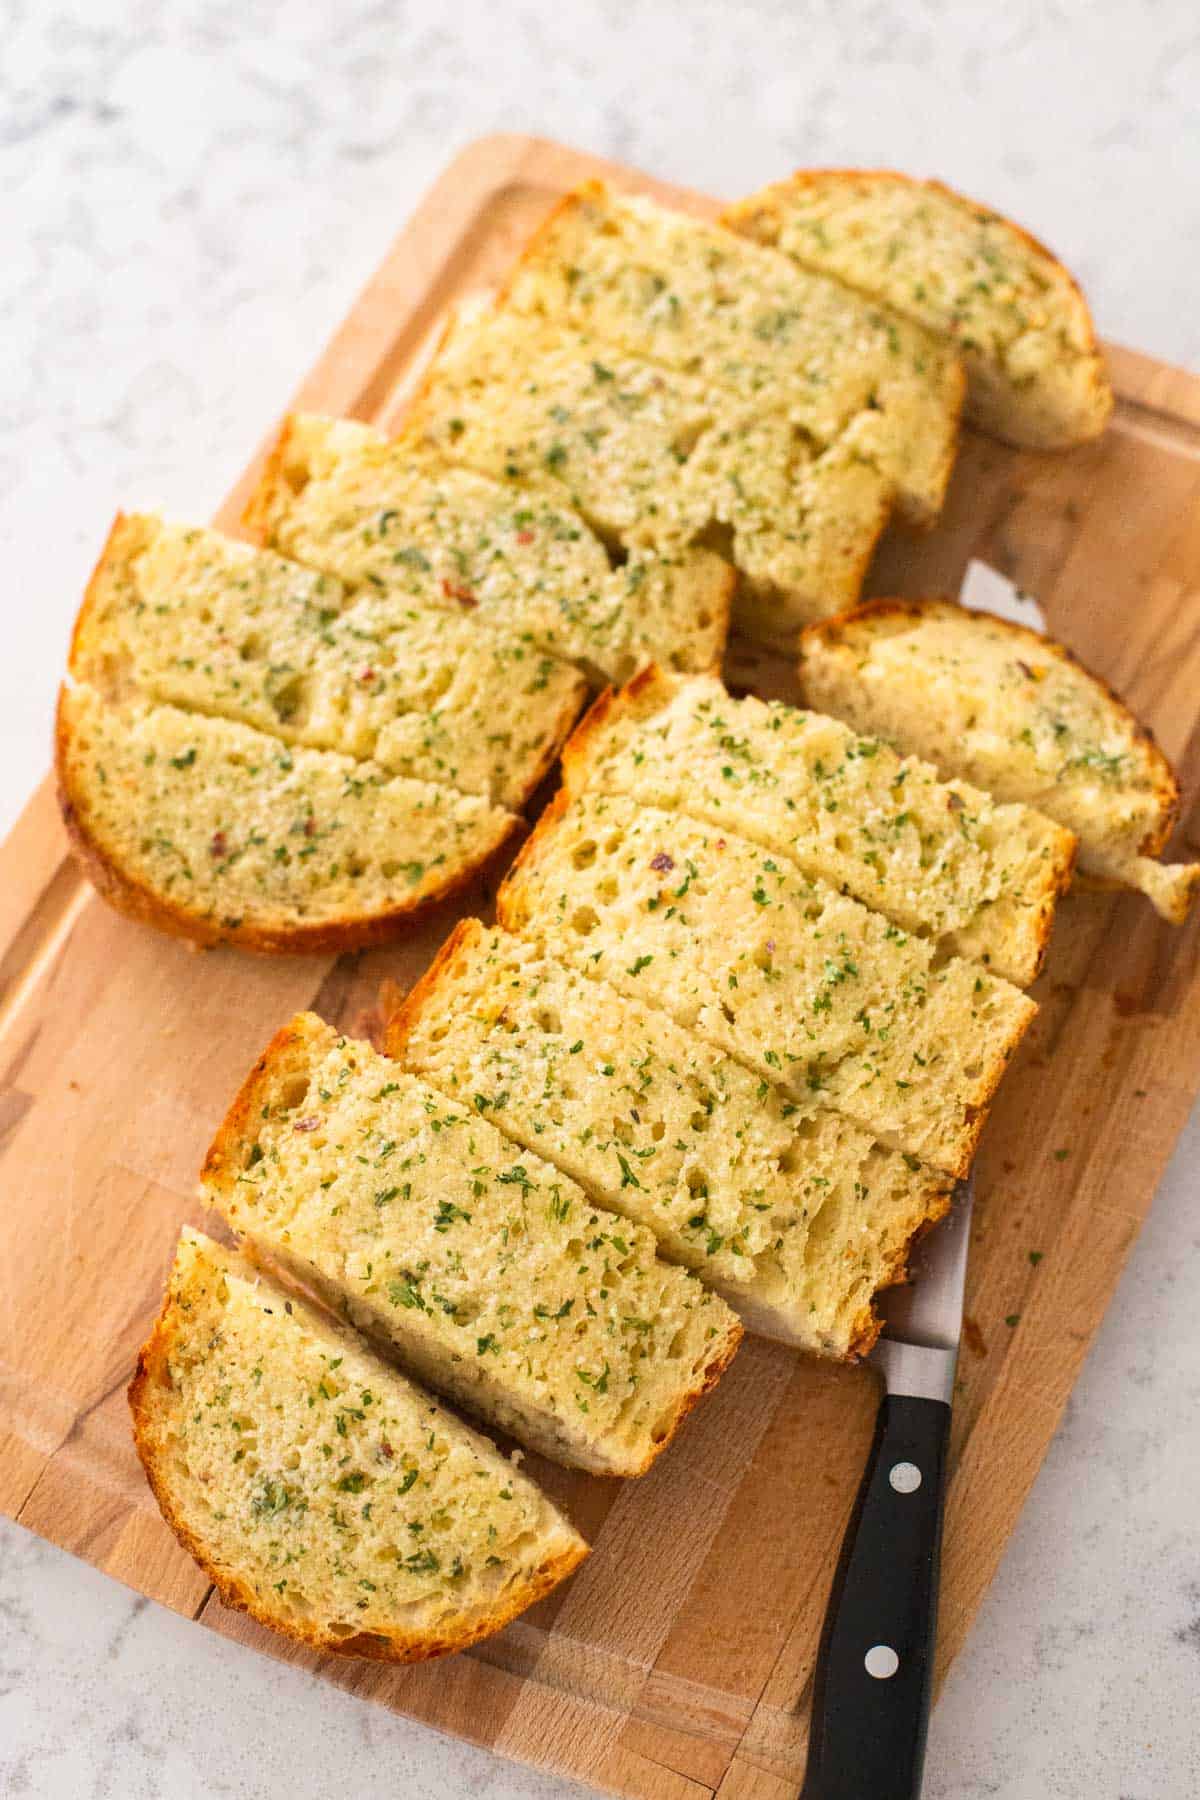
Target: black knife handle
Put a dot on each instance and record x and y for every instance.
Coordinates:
(867, 1739)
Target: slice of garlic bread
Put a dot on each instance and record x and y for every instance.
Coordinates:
(942, 859)
(803, 984)
(491, 1275)
(324, 1494)
(660, 460)
(796, 1220)
(385, 514)
(216, 832)
(185, 615)
(1017, 714)
(964, 273)
(698, 299)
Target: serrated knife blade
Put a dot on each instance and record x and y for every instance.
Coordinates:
(917, 1351)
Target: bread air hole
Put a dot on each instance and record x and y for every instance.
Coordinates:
(584, 855)
(584, 920)
(294, 1092)
(548, 1021)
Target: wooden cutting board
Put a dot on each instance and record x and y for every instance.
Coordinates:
(676, 1664)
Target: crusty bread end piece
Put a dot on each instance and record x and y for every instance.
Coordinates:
(187, 616)
(1015, 713)
(212, 831)
(942, 859)
(798, 1220)
(323, 1493)
(492, 1276)
(1036, 375)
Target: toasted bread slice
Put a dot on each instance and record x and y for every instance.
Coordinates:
(184, 615)
(216, 832)
(322, 1492)
(1016, 713)
(387, 515)
(801, 983)
(492, 1275)
(962, 272)
(659, 460)
(697, 299)
(942, 859)
(796, 1221)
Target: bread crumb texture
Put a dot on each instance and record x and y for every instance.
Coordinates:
(224, 833)
(385, 515)
(491, 1274)
(802, 983)
(1015, 712)
(796, 1216)
(696, 298)
(188, 616)
(968, 276)
(942, 859)
(323, 1492)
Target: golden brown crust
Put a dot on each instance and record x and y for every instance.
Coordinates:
(399, 1025)
(400, 1647)
(126, 894)
(223, 1157)
(262, 509)
(843, 627)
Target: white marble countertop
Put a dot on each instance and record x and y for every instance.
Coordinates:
(194, 193)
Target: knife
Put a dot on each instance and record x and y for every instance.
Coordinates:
(874, 1673)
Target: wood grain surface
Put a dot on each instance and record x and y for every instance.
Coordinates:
(676, 1663)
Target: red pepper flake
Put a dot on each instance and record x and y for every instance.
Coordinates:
(1025, 668)
(662, 862)
(310, 826)
(720, 843)
(454, 590)
(955, 802)
(219, 845)
(525, 537)
(385, 1449)
(308, 1124)
(367, 675)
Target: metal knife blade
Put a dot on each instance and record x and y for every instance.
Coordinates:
(918, 1349)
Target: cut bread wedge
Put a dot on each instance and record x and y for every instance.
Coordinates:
(322, 1492)
(942, 859)
(698, 299)
(964, 273)
(660, 460)
(213, 831)
(801, 983)
(797, 1221)
(385, 515)
(491, 1275)
(1017, 714)
(179, 614)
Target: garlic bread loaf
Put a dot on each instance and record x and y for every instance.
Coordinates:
(796, 1220)
(965, 274)
(216, 832)
(491, 1275)
(801, 983)
(385, 515)
(942, 859)
(322, 1492)
(1017, 714)
(180, 614)
(659, 460)
(698, 299)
